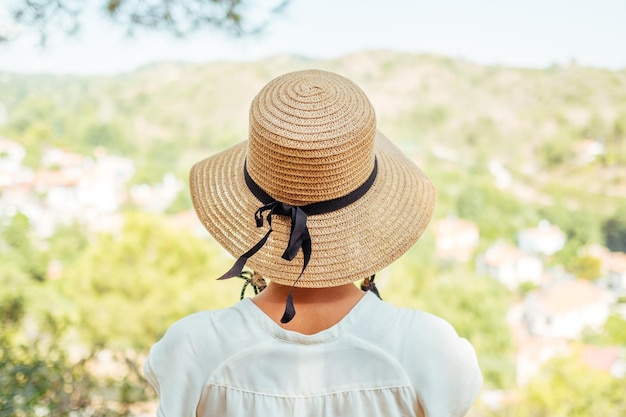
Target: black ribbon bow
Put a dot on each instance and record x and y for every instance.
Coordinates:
(299, 237)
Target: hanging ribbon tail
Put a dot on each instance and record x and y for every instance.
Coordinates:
(236, 270)
(375, 290)
(290, 310)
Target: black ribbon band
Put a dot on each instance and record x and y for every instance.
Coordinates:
(299, 237)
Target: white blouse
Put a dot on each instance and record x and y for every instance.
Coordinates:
(378, 361)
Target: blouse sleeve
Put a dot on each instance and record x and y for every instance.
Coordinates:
(175, 367)
(446, 372)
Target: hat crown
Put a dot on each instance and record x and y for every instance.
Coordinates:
(311, 137)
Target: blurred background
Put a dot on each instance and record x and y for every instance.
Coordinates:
(516, 110)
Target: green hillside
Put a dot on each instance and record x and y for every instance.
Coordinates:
(454, 117)
(167, 114)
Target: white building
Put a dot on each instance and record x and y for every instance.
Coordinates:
(501, 176)
(69, 187)
(455, 238)
(545, 239)
(12, 172)
(588, 150)
(566, 309)
(617, 272)
(509, 265)
(156, 197)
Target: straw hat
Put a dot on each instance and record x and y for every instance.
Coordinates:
(313, 139)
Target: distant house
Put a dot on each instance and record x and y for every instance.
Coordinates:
(72, 187)
(617, 271)
(100, 193)
(12, 172)
(509, 265)
(14, 198)
(502, 177)
(597, 251)
(587, 150)
(545, 239)
(157, 197)
(11, 152)
(59, 188)
(103, 186)
(60, 159)
(565, 309)
(456, 239)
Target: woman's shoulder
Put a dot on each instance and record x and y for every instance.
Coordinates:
(204, 326)
(442, 365)
(417, 333)
(179, 345)
(195, 344)
(412, 324)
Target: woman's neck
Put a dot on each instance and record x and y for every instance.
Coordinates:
(316, 308)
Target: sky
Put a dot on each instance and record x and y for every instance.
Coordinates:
(526, 33)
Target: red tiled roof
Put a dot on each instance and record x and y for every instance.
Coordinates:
(600, 358)
(568, 296)
(502, 254)
(49, 178)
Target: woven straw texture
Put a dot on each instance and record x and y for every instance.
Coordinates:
(313, 138)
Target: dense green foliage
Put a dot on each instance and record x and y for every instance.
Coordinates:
(38, 373)
(614, 333)
(150, 272)
(18, 248)
(567, 388)
(614, 229)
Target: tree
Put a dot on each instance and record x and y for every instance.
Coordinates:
(587, 267)
(17, 247)
(568, 388)
(67, 242)
(615, 330)
(582, 228)
(35, 380)
(36, 376)
(614, 229)
(180, 18)
(129, 287)
(556, 151)
(495, 211)
(181, 203)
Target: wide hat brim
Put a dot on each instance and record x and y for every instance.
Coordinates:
(347, 245)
